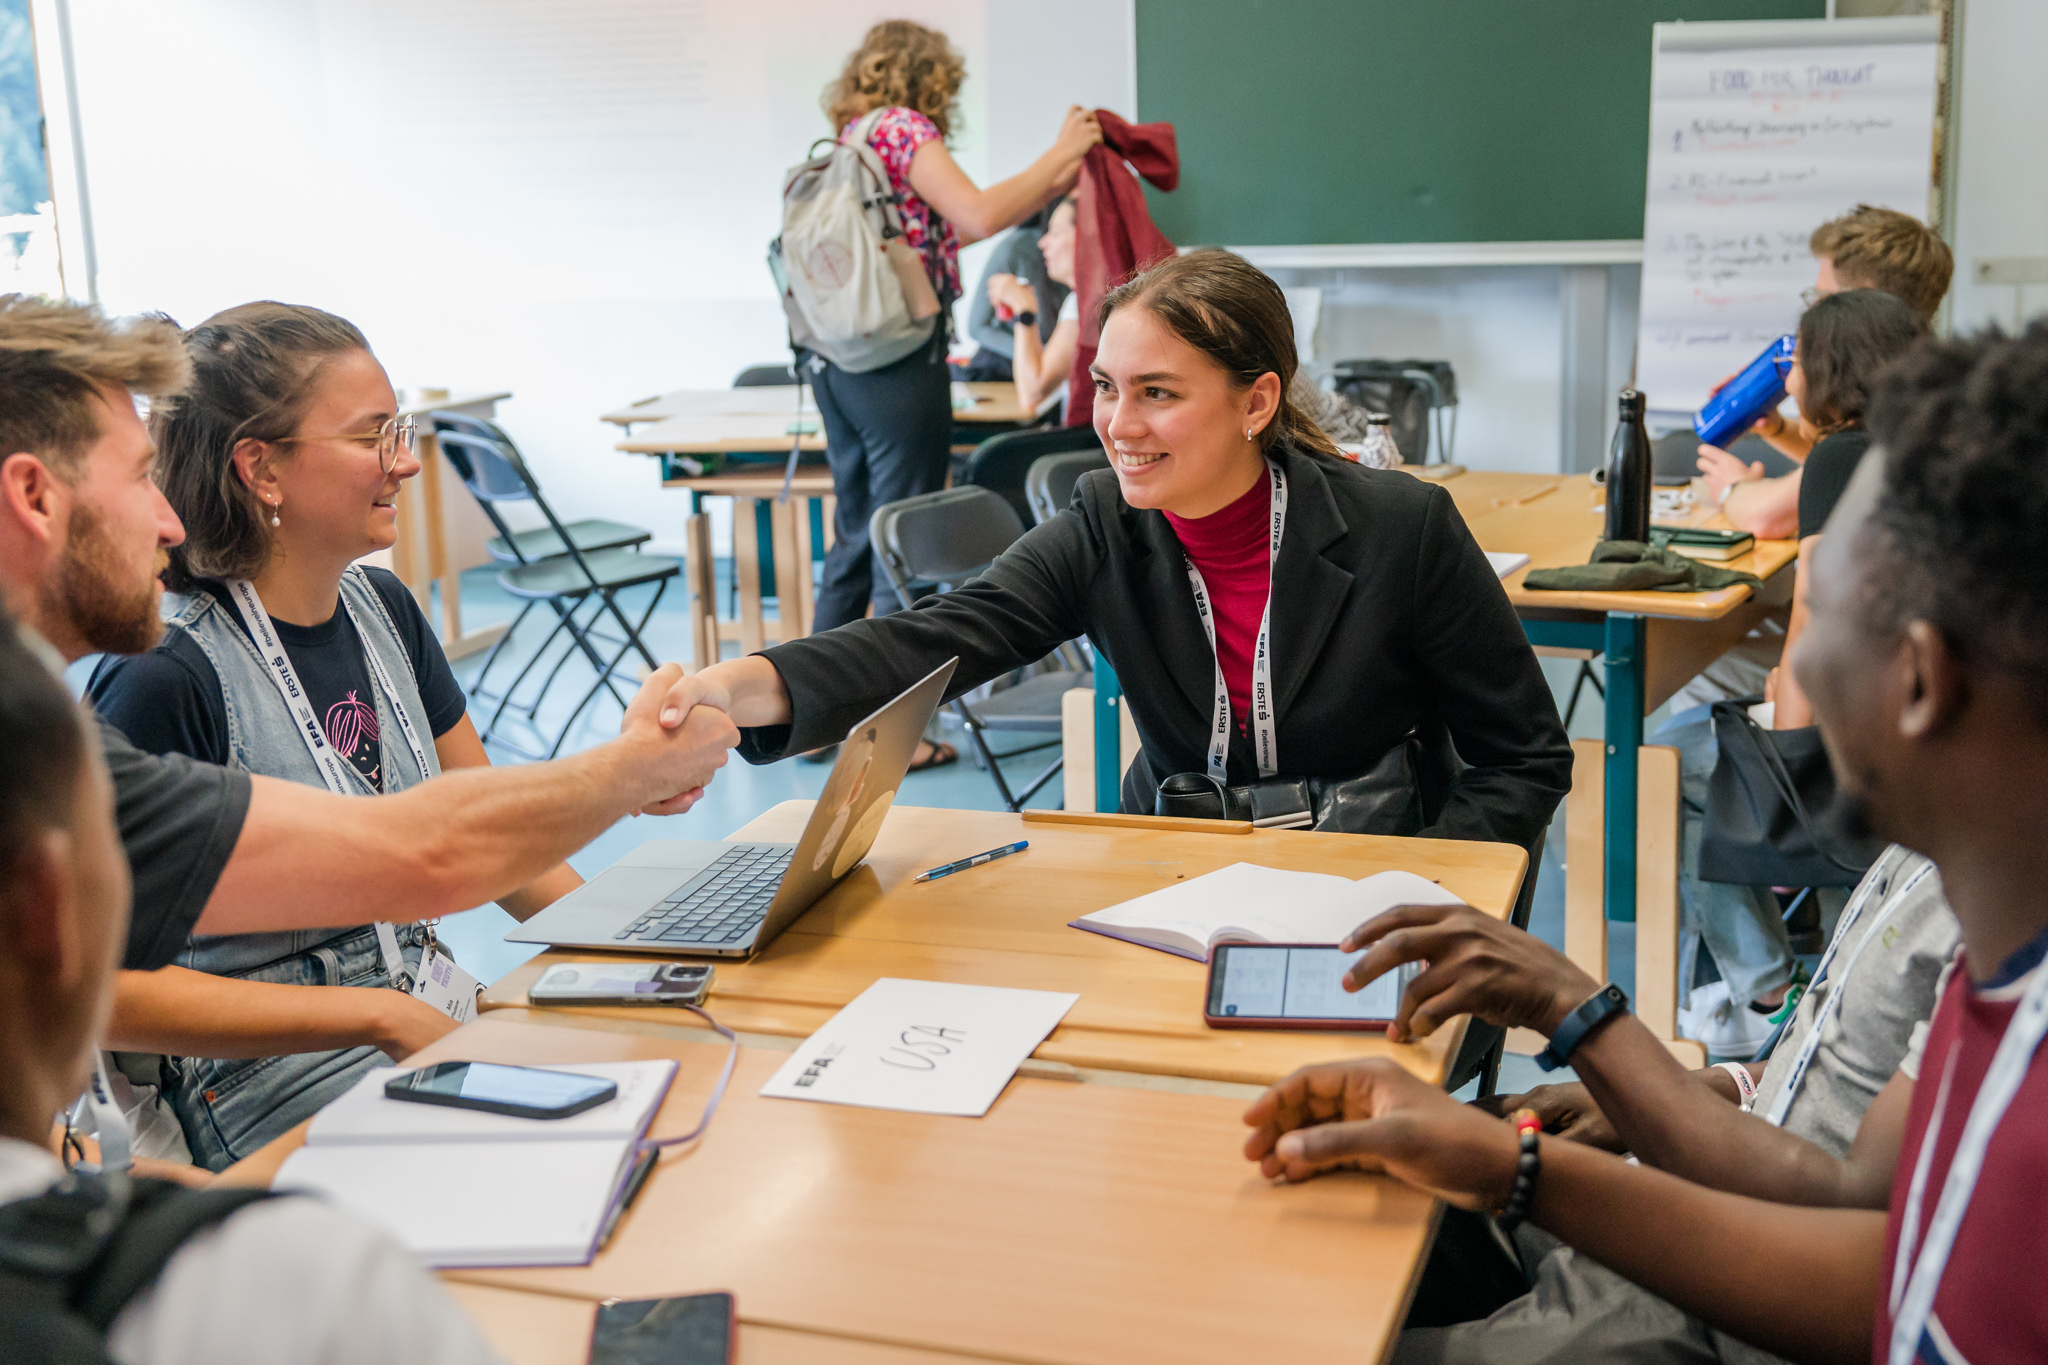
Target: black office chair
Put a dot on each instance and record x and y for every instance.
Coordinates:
(495, 473)
(524, 547)
(1480, 1053)
(762, 376)
(1002, 463)
(1420, 396)
(1049, 483)
(943, 539)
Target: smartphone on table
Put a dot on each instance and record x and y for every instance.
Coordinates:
(622, 983)
(524, 1092)
(1297, 986)
(696, 1329)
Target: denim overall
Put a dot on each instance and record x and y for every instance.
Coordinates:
(231, 1107)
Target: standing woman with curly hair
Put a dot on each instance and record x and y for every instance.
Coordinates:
(887, 431)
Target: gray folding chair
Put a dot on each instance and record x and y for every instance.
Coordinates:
(567, 582)
(541, 542)
(941, 540)
(1002, 463)
(1049, 483)
(763, 376)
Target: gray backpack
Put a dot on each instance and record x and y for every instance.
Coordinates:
(854, 290)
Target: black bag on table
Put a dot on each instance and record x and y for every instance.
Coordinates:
(1764, 802)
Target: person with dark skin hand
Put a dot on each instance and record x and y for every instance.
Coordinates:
(1925, 663)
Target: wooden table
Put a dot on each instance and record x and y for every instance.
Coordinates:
(991, 403)
(788, 535)
(423, 554)
(1653, 643)
(1072, 1223)
(554, 1329)
(1006, 924)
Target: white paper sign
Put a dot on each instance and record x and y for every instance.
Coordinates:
(1754, 143)
(931, 1047)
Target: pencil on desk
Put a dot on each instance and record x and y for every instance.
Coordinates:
(1529, 498)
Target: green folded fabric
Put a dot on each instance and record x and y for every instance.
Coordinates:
(1632, 566)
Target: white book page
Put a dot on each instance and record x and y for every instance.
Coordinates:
(1244, 900)
(1266, 905)
(482, 1204)
(932, 1047)
(366, 1115)
(1505, 562)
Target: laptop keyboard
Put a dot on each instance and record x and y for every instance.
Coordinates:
(720, 905)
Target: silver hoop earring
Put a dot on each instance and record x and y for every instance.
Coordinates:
(1247, 433)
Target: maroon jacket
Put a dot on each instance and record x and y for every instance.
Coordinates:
(1116, 236)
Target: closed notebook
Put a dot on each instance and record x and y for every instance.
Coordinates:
(460, 1187)
(1703, 543)
(1246, 903)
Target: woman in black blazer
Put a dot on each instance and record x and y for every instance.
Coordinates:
(1384, 618)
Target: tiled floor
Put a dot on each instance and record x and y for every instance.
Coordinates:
(743, 792)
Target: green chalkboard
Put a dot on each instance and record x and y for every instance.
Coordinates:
(1312, 121)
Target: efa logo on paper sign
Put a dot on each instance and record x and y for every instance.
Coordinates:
(825, 1058)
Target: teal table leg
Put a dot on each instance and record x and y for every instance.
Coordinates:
(1624, 651)
(764, 539)
(1109, 768)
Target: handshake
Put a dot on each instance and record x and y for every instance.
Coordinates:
(677, 730)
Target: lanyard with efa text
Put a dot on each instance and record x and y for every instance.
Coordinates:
(1916, 1278)
(333, 765)
(1265, 738)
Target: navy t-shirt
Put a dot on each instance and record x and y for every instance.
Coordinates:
(1829, 467)
(169, 701)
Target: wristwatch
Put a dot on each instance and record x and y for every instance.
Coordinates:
(1027, 318)
(1601, 1006)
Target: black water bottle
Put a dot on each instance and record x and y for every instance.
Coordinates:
(1628, 473)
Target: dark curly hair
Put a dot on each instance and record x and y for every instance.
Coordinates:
(1959, 535)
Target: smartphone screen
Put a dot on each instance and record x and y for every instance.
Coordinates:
(693, 1330)
(1271, 981)
(483, 1085)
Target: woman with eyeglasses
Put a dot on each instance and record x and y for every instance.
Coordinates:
(283, 656)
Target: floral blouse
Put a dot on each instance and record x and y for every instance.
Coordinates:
(896, 136)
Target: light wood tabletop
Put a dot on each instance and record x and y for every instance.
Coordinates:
(1556, 519)
(1006, 924)
(555, 1329)
(987, 402)
(1072, 1223)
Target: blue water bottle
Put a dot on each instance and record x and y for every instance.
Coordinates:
(1746, 397)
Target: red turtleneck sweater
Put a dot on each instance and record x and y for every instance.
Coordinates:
(1233, 550)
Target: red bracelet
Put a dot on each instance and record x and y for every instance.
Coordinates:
(1528, 1132)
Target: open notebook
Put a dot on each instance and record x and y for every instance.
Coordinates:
(1246, 903)
(459, 1187)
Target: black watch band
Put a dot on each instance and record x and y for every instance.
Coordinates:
(1601, 1006)
(1027, 318)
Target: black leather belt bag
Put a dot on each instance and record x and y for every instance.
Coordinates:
(1386, 798)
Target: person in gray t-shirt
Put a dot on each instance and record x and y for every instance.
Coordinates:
(1878, 983)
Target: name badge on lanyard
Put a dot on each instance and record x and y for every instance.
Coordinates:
(1916, 1279)
(440, 982)
(1265, 734)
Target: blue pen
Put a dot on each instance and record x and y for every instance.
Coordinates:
(977, 860)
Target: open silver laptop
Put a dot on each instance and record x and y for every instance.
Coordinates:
(717, 898)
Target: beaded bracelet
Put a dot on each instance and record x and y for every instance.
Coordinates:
(1529, 1129)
